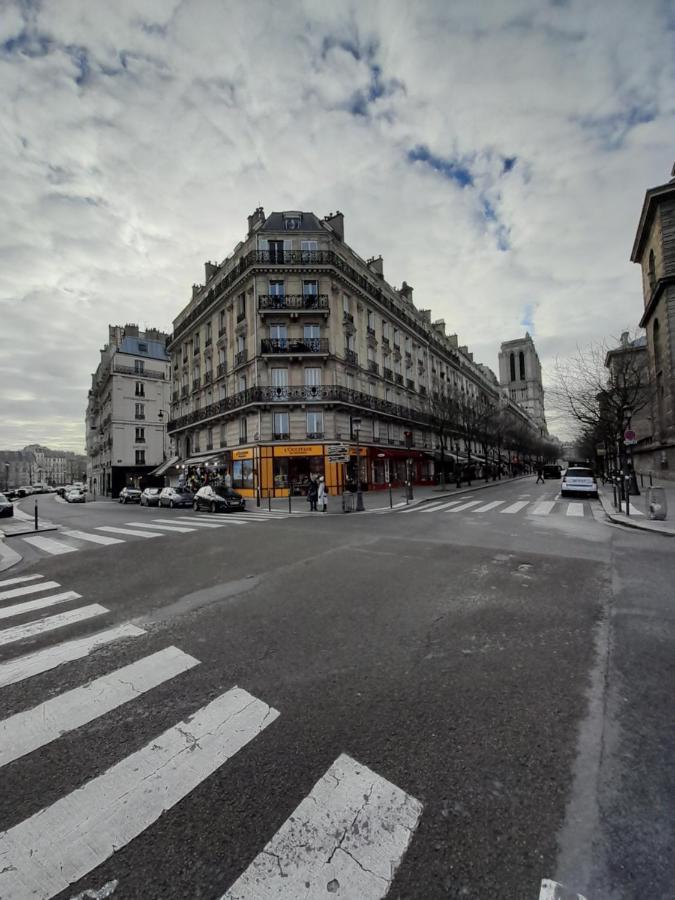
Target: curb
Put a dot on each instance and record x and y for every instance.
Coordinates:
(636, 524)
(8, 556)
(469, 490)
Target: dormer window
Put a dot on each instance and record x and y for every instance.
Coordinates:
(292, 221)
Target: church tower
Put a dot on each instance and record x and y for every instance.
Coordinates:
(520, 375)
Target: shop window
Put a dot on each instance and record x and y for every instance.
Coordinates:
(242, 473)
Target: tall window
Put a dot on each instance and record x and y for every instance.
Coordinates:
(208, 332)
(350, 381)
(310, 288)
(140, 389)
(241, 307)
(241, 343)
(376, 429)
(277, 288)
(521, 359)
(242, 382)
(371, 320)
(280, 382)
(656, 340)
(281, 426)
(242, 430)
(195, 342)
(140, 410)
(307, 248)
(651, 274)
(512, 364)
(312, 376)
(385, 330)
(311, 332)
(278, 332)
(221, 322)
(209, 439)
(140, 457)
(223, 435)
(315, 424)
(140, 435)
(139, 366)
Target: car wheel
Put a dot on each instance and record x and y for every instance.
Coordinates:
(170, 504)
(213, 507)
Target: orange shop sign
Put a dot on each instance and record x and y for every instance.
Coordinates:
(299, 450)
(243, 454)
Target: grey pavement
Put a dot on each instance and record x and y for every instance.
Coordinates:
(638, 515)
(501, 658)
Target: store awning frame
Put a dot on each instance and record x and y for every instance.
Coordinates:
(166, 465)
(205, 459)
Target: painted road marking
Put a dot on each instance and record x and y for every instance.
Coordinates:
(465, 506)
(195, 524)
(442, 506)
(575, 509)
(19, 579)
(28, 589)
(488, 506)
(27, 606)
(57, 846)
(23, 667)
(113, 529)
(230, 520)
(552, 890)
(544, 508)
(347, 837)
(49, 623)
(49, 545)
(94, 538)
(515, 507)
(179, 528)
(27, 731)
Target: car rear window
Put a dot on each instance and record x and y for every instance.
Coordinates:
(3, 499)
(580, 473)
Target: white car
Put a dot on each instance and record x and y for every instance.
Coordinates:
(75, 496)
(578, 481)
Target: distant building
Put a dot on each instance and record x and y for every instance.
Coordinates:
(654, 251)
(127, 409)
(37, 464)
(520, 375)
(629, 364)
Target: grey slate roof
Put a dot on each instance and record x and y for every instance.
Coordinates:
(275, 222)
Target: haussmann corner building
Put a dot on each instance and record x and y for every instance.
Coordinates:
(291, 344)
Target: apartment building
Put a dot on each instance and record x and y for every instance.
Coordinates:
(293, 344)
(127, 410)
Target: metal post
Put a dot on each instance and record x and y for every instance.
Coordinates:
(269, 500)
(36, 515)
(391, 500)
(627, 484)
(290, 490)
(359, 495)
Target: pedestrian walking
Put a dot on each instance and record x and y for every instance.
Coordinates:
(312, 495)
(540, 475)
(322, 494)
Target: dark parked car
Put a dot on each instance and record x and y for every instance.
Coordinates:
(219, 499)
(175, 497)
(130, 495)
(150, 497)
(6, 506)
(552, 471)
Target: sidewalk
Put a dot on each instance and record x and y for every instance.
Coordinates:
(639, 505)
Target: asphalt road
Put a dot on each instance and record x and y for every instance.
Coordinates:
(504, 673)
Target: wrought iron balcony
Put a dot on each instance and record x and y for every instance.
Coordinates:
(293, 302)
(315, 435)
(294, 346)
(398, 378)
(243, 439)
(351, 357)
(139, 416)
(373, 367)
(388, 373)
(281, 436)
(240, 358)
(132, 370)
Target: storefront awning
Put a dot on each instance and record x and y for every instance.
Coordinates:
(398, 454)
(165, 466)
(204, 459)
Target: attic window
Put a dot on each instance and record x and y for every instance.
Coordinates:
(292, 221)
(142, 348)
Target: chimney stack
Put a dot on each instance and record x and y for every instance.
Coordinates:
(406, 292)
(210, 270)
(256, 220)
(375, 265)
(337, 223)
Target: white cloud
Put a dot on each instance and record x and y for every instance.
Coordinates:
(136, 137)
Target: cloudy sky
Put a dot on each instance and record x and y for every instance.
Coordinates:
(495, 153)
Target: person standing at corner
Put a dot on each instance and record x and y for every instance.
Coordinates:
(312, 495)
(321, 495)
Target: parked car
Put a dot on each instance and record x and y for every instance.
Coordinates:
(130, 495)
(175, 497)
(6, 506)
(75, 496)
(579, 481)
(24, 491)
(63, 489)
(552, 471)
(219, 499)
(150, 497)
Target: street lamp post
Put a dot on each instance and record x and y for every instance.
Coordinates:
(356, 427)
(160, 416)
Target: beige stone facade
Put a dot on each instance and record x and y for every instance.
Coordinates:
(520, 375)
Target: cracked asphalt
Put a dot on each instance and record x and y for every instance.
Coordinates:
(513, 675)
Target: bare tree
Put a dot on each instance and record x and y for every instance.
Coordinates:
(444, 417)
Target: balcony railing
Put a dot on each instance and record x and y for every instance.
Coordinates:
(301, 395)
(315, 435)
(139, 440)
(281, 436)
(243, 439)
(373, 367)
(293, 302)
(221, 370)
(294, 345)
(208, 377)
(140, 416)
(388, 373)
(240, 358)
(398, 378)
(351, 357)
(131, 370)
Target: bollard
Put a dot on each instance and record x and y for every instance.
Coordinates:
(257, 497)
(627, 493)
(269, 500)
(289, 499)
(36, 516)
(391, 499)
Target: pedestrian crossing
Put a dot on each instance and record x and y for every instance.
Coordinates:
(70, 540)
(361, 825)
(471, 506)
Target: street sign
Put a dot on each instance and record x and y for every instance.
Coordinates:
(629, 437)
(338, 459)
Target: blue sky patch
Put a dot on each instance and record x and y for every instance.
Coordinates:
(527, 321)
(508, 162)
(454, 170)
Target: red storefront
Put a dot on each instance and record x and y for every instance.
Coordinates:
(390, 465)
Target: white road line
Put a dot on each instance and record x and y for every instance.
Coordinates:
(94, 538)
(442, 506)
(49, 545)
(634, 511)
(26, 731)
(31, 664)
(195, 524)
(575, 509)
(488, 506)
(223, 521)
(464, 506)
(57, 846)
(544, 508)
(347, 837)
(515, 507)
(28, 589)
(113, 529)
(17, 609)
(553, 890)
(179, 528)
(49, 623)
(427, 507)
(19, 579)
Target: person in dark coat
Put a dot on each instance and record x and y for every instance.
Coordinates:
(313, 495)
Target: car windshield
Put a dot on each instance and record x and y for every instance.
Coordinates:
(225, 492)
(152, 490)
(579, 473)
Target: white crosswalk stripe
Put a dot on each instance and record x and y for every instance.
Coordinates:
(15, 670)
(93, 538)
(360, 827)
(515, 507)
(464, 506)
(439, 508)
(197, 523)
(57, 846)
(113, 529)
(221, 518)
(488, 506)
(153, 525)
(49, 545)
(26, 606)
(575, 509)
(11, 593)
(49, 623)
(26, 731)
(543, 508)
(19, 579)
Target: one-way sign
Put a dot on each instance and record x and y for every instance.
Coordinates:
(338, 453)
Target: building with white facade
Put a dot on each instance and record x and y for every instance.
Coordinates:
(127, 410)
(520, 375)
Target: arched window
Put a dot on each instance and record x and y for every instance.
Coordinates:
(513, 367)
(651, 272)
(656, 340)
(521, 357)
